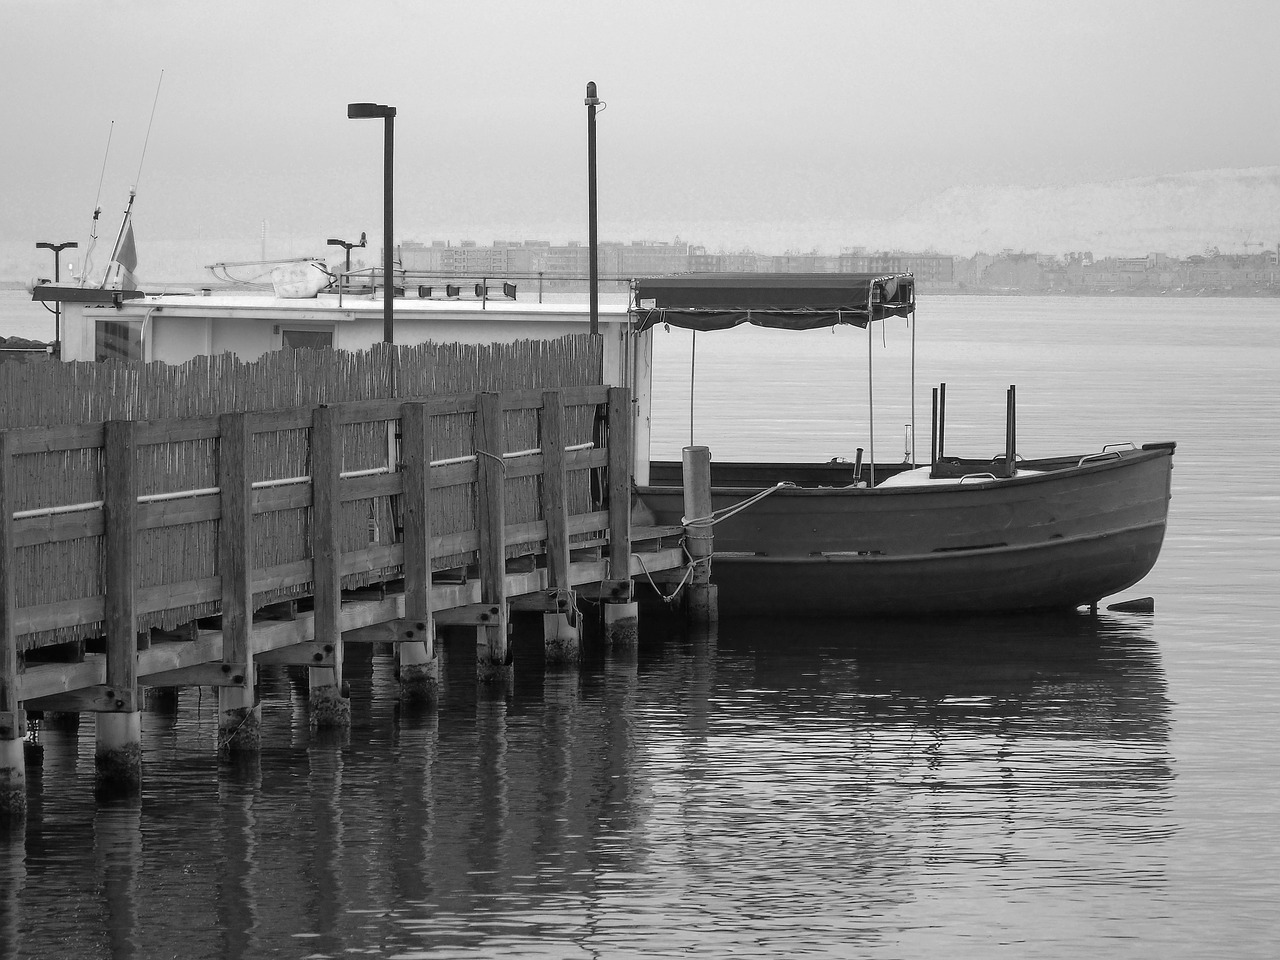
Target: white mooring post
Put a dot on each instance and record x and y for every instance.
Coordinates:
(702, 603)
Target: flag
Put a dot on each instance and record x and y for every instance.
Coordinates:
(127, 260)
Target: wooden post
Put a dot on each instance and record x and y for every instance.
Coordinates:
(239, 715)
(621, 619)
(702, 604)
(13, 719)
(419, 670)
(492, 660)
(118, 750)
(561, 635)
(329, 707)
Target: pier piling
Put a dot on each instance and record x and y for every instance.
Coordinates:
(118, 748)
(702, 596)
(621, 616)
(239, 716)
(329, 707)
(13, 721)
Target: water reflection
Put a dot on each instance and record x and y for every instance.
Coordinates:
(852, 787)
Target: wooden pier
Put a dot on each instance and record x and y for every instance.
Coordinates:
(185, 552)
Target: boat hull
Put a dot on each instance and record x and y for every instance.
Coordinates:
(1061, 536)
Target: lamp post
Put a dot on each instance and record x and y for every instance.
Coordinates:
(57, 249)
(369, 111)
(592, 102)
(346, 245)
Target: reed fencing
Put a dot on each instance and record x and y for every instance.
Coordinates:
(56, 463)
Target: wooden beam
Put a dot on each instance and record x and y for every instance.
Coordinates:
(120, 507)
(617, 590)
(199, 675)
(236, 540)
(10, 705)
(475, 614)
(619, 483)
(310, 653)
(416, 440)
(555, 506)
(491, 499)
(100, 698)
(326, 547)
(554, 601)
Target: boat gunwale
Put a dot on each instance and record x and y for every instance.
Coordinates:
(1125, 459)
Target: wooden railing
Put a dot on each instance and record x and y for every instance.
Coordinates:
(168, 510)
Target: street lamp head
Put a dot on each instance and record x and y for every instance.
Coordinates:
(55, 247)
(592, 100)
(369, 111)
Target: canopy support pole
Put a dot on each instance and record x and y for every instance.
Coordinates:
(871, 389)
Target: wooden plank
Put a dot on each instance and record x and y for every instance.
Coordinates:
(416, 440)
(374, 485)
(172, 596)
(120, 507)
(374, 557)
(518, 534)
(555, 505)
(176, 431)
(57, 528)
(619, 482)
(473, 614)
(199, 675)
(293, 496)
(281, 576)
(586, 459)
(309, 653)
(235, 541)
(55, 439)
(326, 545)
(298, 418)
(453, 475)
(174, 513)
(10, 702)
(101, 698)
(60, 613)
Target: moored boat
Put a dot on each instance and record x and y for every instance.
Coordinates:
(954, 535)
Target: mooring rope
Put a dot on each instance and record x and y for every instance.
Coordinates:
(724, 513)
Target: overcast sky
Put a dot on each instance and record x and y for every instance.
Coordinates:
(722, 116)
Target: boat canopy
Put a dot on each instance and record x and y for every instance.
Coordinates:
(789, 301)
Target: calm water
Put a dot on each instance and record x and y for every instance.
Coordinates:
(1024, 787)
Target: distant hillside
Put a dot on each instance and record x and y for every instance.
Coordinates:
(1181, 214)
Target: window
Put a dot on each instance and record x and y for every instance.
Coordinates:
(118, 340)
(301, 339)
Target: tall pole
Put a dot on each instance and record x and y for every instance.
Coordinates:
(388, 279)
(592, 101)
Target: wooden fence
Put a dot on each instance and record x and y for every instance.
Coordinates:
(171, 478)
(50, 394)
(58, 465)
